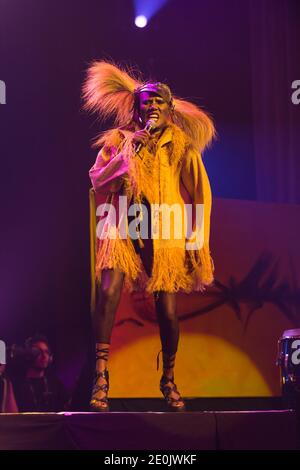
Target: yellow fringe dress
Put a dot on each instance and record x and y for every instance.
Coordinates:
(170, 172)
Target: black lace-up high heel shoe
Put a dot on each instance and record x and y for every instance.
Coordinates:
(168, 387)
(100, 404)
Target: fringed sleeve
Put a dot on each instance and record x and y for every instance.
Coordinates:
(195, 180)
(106, 174)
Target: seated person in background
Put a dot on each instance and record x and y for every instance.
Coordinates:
(36, 389)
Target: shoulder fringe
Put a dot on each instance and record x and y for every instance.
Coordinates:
(195, 123)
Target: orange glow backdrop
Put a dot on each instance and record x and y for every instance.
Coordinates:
(229, 335)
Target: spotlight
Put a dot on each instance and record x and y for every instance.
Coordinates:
(140, 21)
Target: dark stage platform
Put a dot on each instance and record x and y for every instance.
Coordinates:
(260, 429)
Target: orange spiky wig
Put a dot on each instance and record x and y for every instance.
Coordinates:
(113, 92)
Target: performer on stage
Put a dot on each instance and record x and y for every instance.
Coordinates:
(152, 156)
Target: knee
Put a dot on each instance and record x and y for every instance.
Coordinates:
(171, 317)
(110, 294)
(168, 314)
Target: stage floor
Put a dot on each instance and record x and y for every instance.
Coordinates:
(152, 430)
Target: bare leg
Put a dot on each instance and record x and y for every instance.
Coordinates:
(108, 298)
(109, 293)
(165, 305)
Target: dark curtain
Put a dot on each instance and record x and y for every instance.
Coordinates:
(275, 39)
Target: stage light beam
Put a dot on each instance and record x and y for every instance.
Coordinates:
(145, 10)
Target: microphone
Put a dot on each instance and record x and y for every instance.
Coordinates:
(150, 126)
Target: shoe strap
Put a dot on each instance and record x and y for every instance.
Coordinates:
(103, 400)
(104, 387)
(168, 360)
(102, 353)
(102, 373)
(167, 389)
(157, 359)
(164, 380)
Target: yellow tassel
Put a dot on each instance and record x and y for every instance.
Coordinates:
(117, 253)
(202, 264)
(140, 242)
(169, 272)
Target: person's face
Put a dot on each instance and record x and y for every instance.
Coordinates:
(153, 107)
(43, 359)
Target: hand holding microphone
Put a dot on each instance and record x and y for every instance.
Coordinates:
(141, 138)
